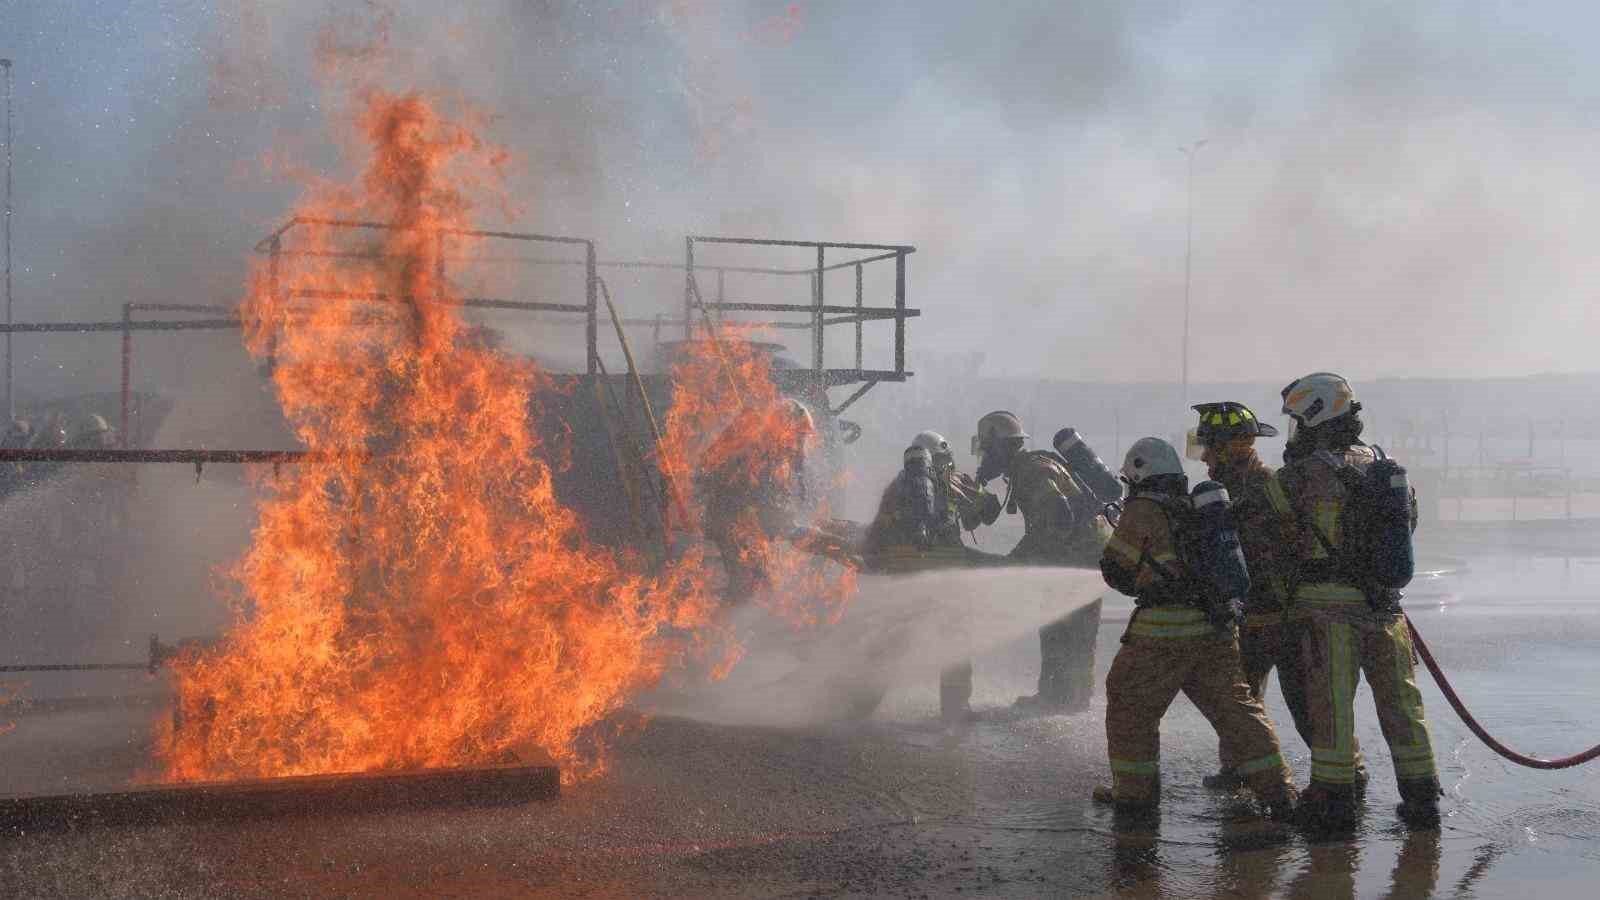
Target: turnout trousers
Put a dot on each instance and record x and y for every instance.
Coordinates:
(1267, 642)
(1340, 641)
(1172, 649)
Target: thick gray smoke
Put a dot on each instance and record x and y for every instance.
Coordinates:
(1386, 190)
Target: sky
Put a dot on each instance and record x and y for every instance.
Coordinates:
(1386, 190)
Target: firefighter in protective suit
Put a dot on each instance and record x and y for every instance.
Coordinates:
(1173, 645)
(752, 490)
(920, 519)
(1062, 526)
(928, 505)
(1225, 441)
(1346, 630)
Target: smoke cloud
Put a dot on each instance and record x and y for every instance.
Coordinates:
(1384, 191)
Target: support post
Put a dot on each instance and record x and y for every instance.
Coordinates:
(688, 288)
(127, 372)
(592, 300)
(277, 300)
(721, 296)
(816, 320)
(858, 318)
(900, 313)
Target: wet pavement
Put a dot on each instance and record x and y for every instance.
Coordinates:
(898, 806)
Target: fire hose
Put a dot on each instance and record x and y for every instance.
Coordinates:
(1564, 762)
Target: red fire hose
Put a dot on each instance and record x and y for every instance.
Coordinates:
(1565, 762)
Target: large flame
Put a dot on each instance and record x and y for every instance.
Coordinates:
(421, 599)
(728, 423)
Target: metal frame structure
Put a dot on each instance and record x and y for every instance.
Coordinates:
(818, 310)
(697, 309)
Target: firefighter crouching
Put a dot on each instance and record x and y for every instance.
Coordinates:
(919, 523)
(1352, 514)
(1062, 526)
(752, 490)
(1225, 441)
(1180, 565)
(925, 508)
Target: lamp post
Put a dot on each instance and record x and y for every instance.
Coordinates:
(11, 408)
(1189, 151)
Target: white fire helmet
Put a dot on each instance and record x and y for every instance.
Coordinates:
(934, 443)
(1149, 457)
(1317, 398)
(996, 426)
(801, 416)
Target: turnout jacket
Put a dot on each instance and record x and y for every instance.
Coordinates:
(1307, 493)
(1141, 560)
(1266, 536)
(960, 503)
(1061, 522)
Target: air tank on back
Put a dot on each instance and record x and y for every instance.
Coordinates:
(1217, 553)
(1087, 467)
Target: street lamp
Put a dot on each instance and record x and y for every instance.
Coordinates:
(11, 409)
(1190, 151)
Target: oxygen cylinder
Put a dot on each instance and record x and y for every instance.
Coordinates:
(916, 498)
(1083, 463)
(1218, 556)
(1390, 558)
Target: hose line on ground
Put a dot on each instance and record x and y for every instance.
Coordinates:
(1565, 762)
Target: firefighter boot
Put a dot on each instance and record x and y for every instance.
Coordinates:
(955, 693)
(1282, 808)
(1323, 810)
(1419, 802)
(1066, 664)
(1130, 809)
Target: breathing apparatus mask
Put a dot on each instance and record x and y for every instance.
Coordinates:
(996, 458)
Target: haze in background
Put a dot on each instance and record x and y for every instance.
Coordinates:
(1385, 191)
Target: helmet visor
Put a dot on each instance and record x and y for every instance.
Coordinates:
(1192, 446)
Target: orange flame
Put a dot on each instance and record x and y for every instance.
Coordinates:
(729, 428)
(423, 600)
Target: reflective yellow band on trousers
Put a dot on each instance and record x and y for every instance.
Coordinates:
(1135, 766)
(1271, 761)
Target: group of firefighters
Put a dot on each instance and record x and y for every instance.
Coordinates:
(1309, 611)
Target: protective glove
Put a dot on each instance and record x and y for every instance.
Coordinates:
(1113, 512)
(989, 508)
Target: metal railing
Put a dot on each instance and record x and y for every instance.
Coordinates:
(822, 314)
(697, 310)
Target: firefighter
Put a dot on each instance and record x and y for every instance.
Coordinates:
(1174, 644)
(1062, 526)
(53, 436)
(1225, 441)
(18, 435)
(752, 488)
(929, 503)
(93, 433)
(1348, 627)
(919, 522)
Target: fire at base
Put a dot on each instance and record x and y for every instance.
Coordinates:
(425, 600)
